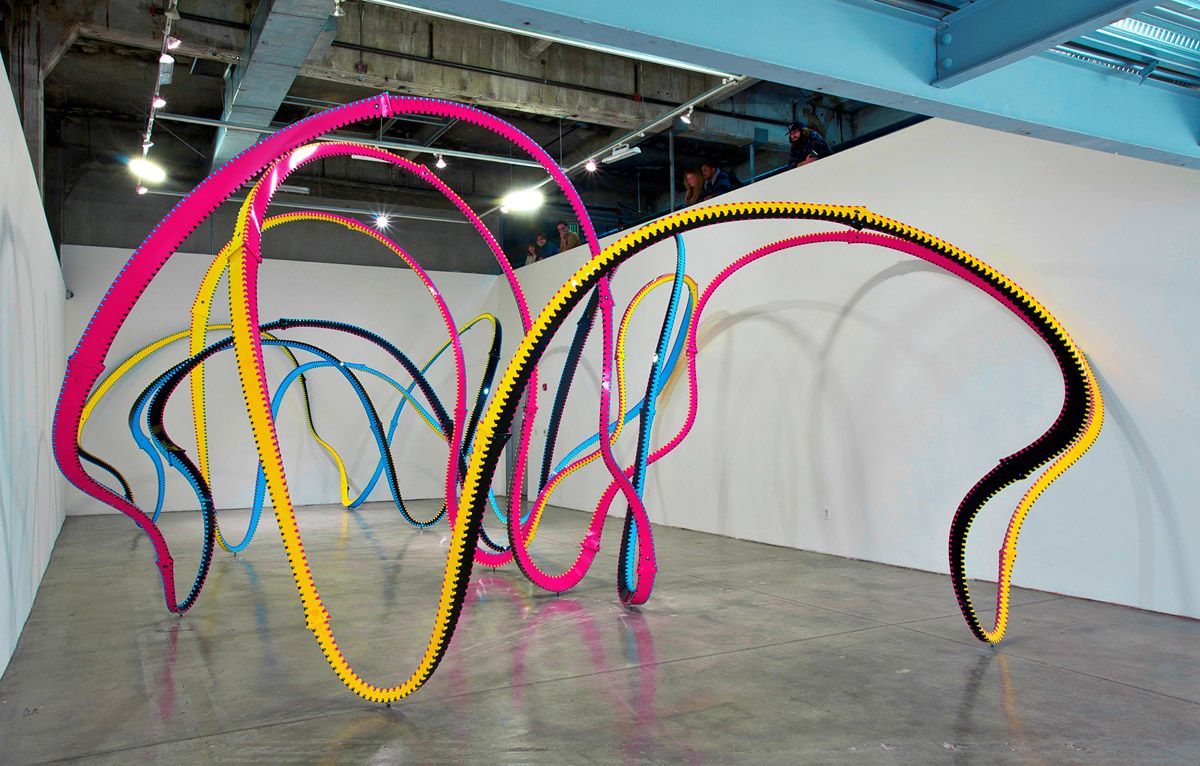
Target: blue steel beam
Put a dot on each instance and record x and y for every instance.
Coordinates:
(989, 34)
(855, 51)
(283, 35)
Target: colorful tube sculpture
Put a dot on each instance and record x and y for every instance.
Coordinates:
(475, 441)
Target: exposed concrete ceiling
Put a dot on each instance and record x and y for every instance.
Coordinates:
(570, 100)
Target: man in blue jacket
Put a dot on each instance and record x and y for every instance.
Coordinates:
(716, 181)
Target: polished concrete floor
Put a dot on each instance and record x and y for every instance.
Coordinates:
(746, 653)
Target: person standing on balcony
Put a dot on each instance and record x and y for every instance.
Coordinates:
(807, 145)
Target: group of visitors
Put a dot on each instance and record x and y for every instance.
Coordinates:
(807, 145)
(543, 247)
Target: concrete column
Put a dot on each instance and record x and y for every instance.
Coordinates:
(35, 45)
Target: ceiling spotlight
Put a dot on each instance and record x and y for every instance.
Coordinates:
(382, 220)
(146, 146)
(173, 43)
(621, 152)
(147, 170)
(166, 58)
(141, 189)
(504, 209)
(686, 117)
(441, 162)
(337, 9)
(523, 200)
(159, 102)
(590, 165)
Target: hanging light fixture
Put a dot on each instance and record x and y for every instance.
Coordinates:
(621, 152)
(382, 221)
(441, 163)
(686, 117)
(338, 12)
(142, 167)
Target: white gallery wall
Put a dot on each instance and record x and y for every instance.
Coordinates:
(32, 360)
(389, 301)
(850, 396)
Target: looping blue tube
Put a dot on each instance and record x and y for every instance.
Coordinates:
(406, 395)
(658, 378)
(636, 409)
(154, 449)
(148, 446)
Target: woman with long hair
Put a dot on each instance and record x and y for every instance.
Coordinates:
(693, 185)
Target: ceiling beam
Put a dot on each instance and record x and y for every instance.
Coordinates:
(869, 55)
(282, 37)
(987, 35)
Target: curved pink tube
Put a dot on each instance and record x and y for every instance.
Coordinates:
(646, 565)
(86, 363)
(851, 237)
(590, 545)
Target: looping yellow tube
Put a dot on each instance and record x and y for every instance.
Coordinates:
(243, 283)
